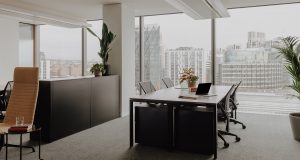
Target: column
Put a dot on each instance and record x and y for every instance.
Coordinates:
(120, 20)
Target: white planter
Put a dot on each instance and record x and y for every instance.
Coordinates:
(295, 124)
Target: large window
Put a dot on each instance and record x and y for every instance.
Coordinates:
(173, 42)
(26, 45)
(93, 46)
(60, 52)
(137, 54)
(245, 47)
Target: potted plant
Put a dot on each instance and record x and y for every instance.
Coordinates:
(188, 76)
(104, 41)
(288, 50)
(97, 69)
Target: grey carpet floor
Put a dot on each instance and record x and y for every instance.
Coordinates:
(267, 137)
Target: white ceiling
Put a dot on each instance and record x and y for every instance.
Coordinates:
(92, 9)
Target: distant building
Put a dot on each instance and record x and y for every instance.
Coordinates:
(258, 66)
(256, 39)
(187, 57)
(57, 68)
(257, 76)
(44, 68)
(152, 69)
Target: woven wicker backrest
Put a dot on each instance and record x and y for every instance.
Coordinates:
(23, 96)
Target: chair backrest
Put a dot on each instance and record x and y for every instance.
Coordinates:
(168, 82)
(23, 96)
(147, 87)
(6, 95)
(233, 95)
(227, 99)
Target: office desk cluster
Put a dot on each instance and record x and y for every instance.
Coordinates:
(191, 128)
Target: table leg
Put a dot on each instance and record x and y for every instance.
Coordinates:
(215, 130)
(21, 136)
(6, 146)
(171, 126)
(131, 122)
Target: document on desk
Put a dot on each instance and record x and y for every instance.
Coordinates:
(194, 97)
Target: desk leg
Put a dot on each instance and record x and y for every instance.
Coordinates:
(6, 146)
(21, 143)
(215, 128)
(131, 122)
(171, 126)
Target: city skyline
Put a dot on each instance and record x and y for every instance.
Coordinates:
(179, 30)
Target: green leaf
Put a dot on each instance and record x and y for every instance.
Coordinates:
(289, 53)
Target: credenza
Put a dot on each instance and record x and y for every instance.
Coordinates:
(69, 105)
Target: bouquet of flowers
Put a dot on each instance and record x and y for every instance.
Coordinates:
(188, 75)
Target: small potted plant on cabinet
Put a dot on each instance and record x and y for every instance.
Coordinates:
(97, 69)
(189, 76)
(288, 50)
(105, 41)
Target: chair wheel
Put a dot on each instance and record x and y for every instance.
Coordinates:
(226, 145)
(244, 127)
(237, 139)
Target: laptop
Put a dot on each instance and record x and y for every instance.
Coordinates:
(203, 89)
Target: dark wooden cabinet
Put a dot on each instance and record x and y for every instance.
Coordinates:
(194, 130)
(105, 93)
(151, 126)
(67, 106)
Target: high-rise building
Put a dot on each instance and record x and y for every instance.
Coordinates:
(258, 66)
(44, 68)
(256, 39)
(152, 70)
(186, 57)
(253, 75)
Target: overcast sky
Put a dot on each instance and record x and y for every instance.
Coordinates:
(179, 30)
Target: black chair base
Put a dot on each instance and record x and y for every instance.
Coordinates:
(238, 122)
(13, 145)
(18, 146)
(226, 144)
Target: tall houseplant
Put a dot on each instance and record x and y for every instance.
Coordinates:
(288, 50)
(104, 41)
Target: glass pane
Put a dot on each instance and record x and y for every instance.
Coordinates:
(93, 46)
(137, 55)
(26, 45)
(245, 50)
(173, 42)
(60, 52)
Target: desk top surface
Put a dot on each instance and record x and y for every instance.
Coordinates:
(171, 95)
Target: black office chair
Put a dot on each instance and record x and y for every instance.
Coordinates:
(147, 87)
(223, 114)
(4, 98)
(168, 82)
(233, 106)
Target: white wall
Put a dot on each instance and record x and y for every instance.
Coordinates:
(120, 20)
(9, 48)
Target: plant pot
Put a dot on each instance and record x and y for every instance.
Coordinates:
(295, 124)
(97, 73)
(191, 84)
(106, 70)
